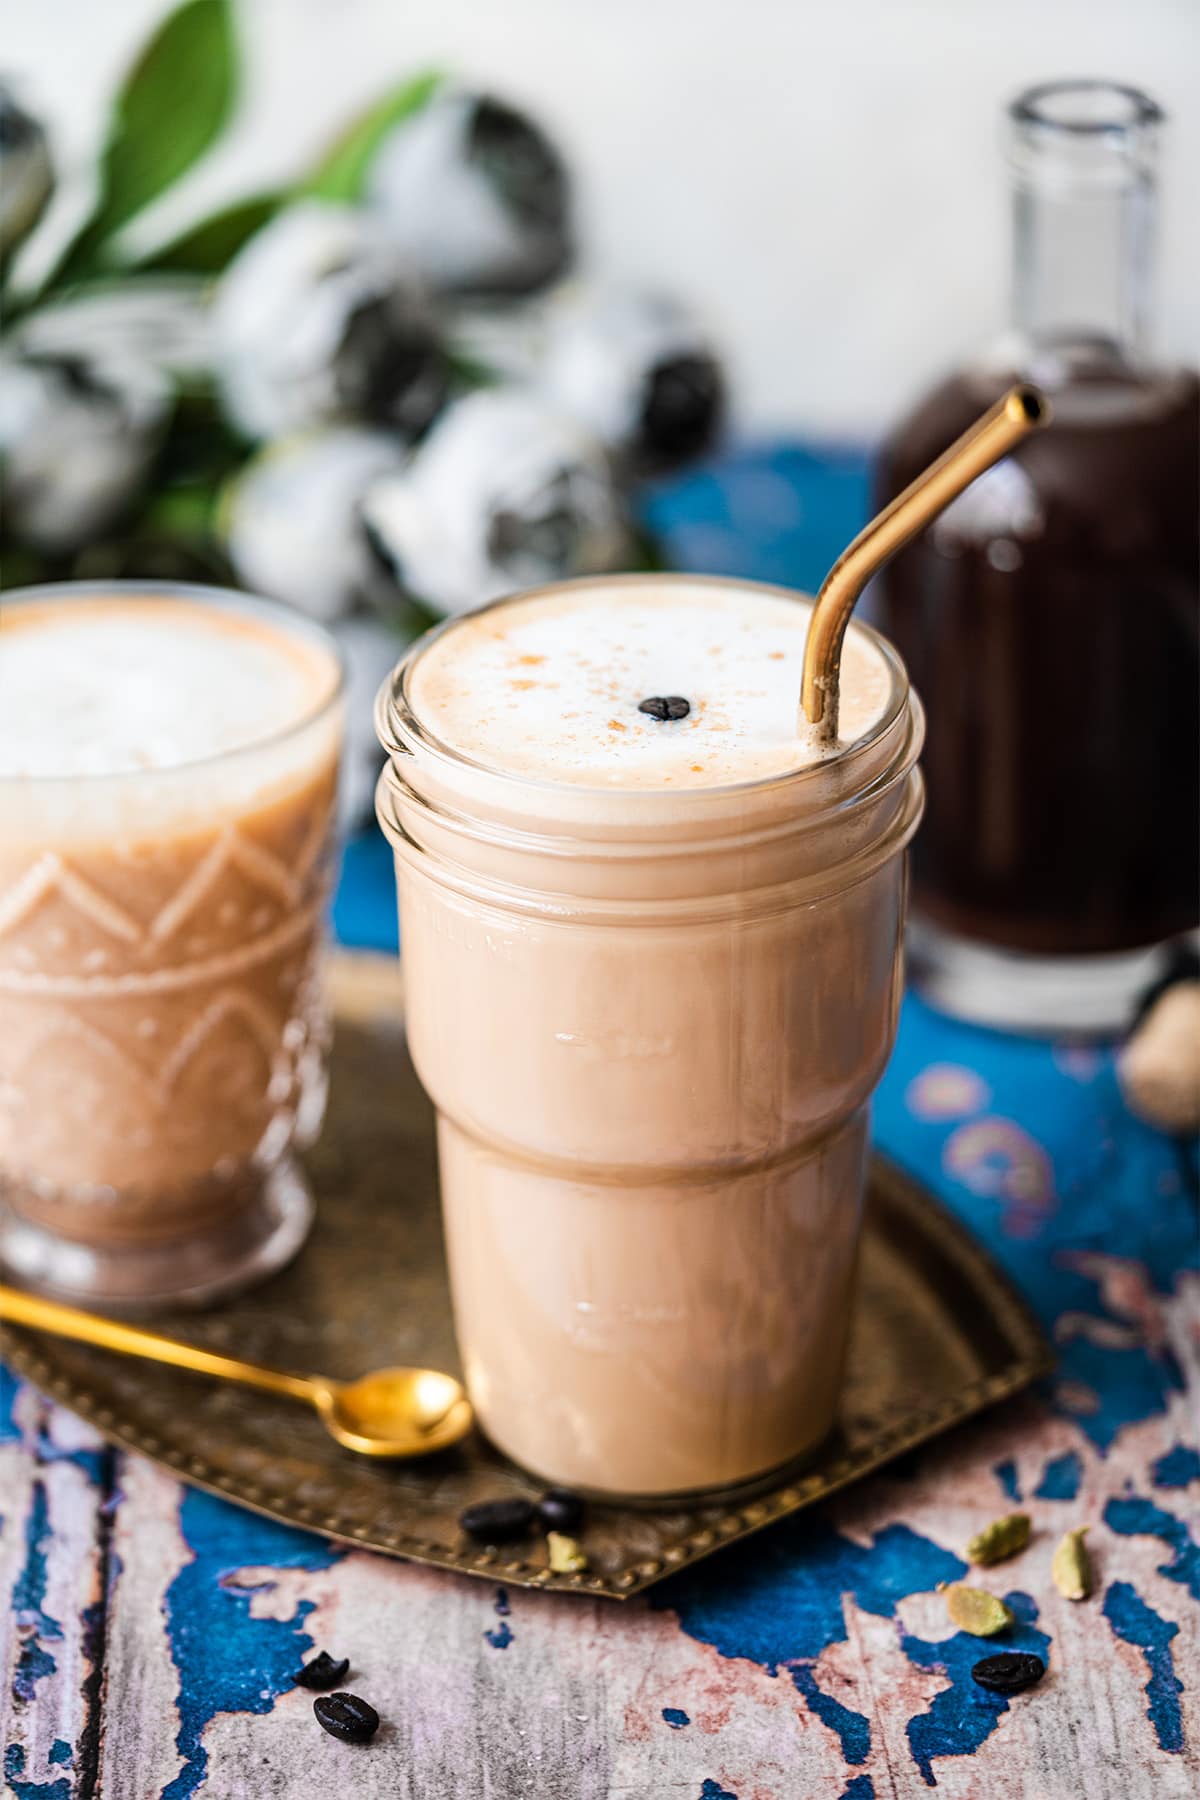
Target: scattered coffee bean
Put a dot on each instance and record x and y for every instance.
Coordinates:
(347, 1717)
(666, 706)
(560, 1510)
(322, 1673)
(1009, 1672)
(497, 1521)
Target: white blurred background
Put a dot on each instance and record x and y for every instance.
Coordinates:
(825, 178)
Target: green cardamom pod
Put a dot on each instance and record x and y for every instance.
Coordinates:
(1071, 1569)
(566, 1558)
(974, 1610)
(1001, 1539)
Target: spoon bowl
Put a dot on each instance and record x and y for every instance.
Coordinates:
(396, 1412)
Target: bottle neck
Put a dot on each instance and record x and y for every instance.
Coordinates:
(1084, 166)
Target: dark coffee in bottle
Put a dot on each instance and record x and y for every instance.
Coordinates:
(1049, 618)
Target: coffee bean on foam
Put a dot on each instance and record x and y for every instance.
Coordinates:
(556, 690)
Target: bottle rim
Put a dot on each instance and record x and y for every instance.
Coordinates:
(1086, 107)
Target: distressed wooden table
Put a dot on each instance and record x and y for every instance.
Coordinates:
(151, 1632)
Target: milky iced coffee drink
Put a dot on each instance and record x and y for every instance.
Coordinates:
(167, 775)
(651, 933)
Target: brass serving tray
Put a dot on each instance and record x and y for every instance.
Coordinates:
(938, 1335)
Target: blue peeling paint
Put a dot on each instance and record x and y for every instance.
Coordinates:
(10, 1431)
(501, 1635)
(860, 1788)
(853, 1729)
(1006, 1474)
(14, 1767)
(1179, 1467)
(60, 1751)
(1139, 1625)
(675, 1717)
(1134, 1516)
(779, 1599)
(712, 1790)
(779, 1602)
(93, 1463)
(227, 1660)
(964, 1715)
(42, 1790)
(34, 1661)
(1060, 1478)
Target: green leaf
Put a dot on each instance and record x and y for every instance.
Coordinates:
(186, 510)
(471, 371)
(172, 107)
(208, 247)
(341, 172)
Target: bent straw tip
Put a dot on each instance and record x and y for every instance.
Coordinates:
(1024, 408)
(1027, 405)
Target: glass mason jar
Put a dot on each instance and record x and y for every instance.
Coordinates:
(651, 1022)
(1050, 617)
(163, 1037)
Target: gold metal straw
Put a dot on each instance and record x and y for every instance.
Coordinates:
(1022, 410)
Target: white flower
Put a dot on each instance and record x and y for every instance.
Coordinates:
(475, 194)
(637, 369)
(78, 440)
(26, 175)
(505, 493)
(291, 519)
(318, 319)
(158, 319)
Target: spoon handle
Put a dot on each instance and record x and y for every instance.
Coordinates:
(20, 1308)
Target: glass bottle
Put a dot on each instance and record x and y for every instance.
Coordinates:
(1049, 618)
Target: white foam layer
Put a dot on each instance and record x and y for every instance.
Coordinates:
(549, 686)
(96, 687)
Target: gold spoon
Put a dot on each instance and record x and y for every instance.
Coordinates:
(391, 1412)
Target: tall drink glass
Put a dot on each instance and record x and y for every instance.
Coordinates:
(652, 973)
